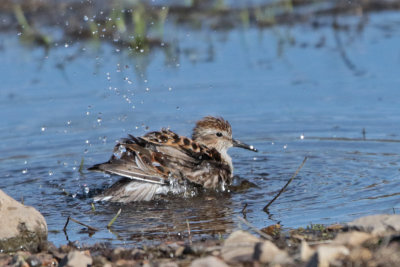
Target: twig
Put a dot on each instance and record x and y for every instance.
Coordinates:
(286, 185)
(255, 229)
(244, 212)
(190, 235)
(78, 222)
(113, 219)
(66, 224)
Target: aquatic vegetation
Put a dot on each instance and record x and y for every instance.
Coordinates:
(140, 25)
(29, 33)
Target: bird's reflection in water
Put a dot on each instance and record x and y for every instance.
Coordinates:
(204, 216)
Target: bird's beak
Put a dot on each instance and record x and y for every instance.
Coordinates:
(237, 143)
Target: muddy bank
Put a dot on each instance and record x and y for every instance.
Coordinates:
(367, 241)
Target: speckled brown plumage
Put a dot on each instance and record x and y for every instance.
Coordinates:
(163, 157)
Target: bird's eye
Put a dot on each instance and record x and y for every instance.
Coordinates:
(219, 134)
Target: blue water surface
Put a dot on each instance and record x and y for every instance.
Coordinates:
(291, 91)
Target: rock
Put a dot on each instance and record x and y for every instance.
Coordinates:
(360, 255)
(209, 261)
(77, 259)
(376, 224)
(42, 259)
(305, 251)
(241, 246)
(179, 251)
(272, 230)
(267, 252)
(101, 261)
(167, 263)
(19, 259)
(351, 239)
(387, 256)
(327, 254)
(22, 227)
(5, 259)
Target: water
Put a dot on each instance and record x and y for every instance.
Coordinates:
(290, 91)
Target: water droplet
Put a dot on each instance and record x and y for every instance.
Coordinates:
(24, 171)
(85, 18)
(43, 128)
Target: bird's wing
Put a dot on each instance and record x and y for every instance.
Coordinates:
(132, 160)
(158, 156)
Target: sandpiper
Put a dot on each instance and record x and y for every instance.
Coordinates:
(163, 161)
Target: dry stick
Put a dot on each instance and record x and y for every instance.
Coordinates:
(255, 229)
(81, 223)
(190, 235)
(113, 219)
(286, 185)
(244, 210)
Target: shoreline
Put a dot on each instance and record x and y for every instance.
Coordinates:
(370, 240)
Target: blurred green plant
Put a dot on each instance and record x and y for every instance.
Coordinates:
(29, 33)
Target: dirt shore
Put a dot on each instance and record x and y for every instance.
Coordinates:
(367, 241)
